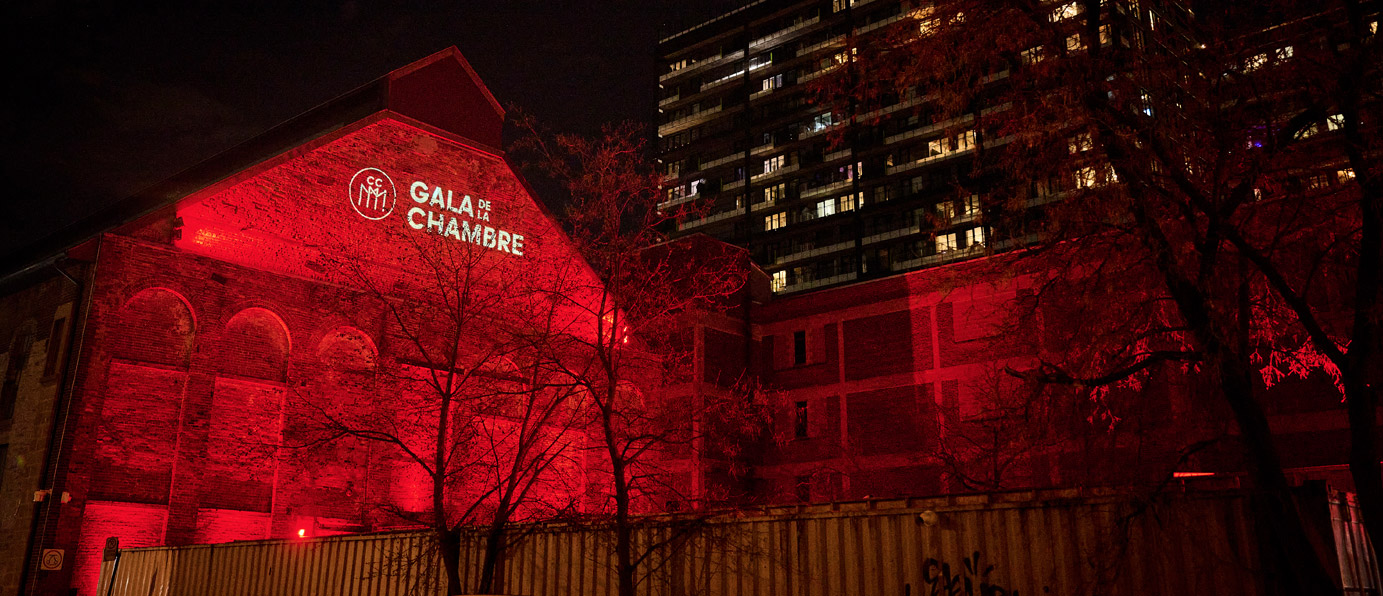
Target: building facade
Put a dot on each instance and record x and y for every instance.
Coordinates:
(171, 367)
(821, 194)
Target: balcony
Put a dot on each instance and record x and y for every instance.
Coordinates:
(816, 74)
(929, 129)
(827, 189)
(881, 24)
(838, 40)
(788, 169)
(764, 148)
(818, 283)
(700, 64)
(687, 122)
(722, 161)
(679, 201)
(892, 234)
(939, 258)
(814, 252)
(696, 223)
(835, 155)
(903, 167)
(760, 206)
(667, 101)
(785, 34)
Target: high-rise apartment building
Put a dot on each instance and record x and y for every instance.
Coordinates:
(818, 200)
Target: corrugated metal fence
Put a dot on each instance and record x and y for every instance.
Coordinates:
(1054, 542)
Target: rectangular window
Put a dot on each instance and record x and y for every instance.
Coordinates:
(1335, 121)
(775, 221)
(849, 202)
(1106, 35)
(803, 488)
(1285, 52)
(1080, 143)
(970, 206)
(1032, 55)
(1065, 11)
(775, 193)
(780, 280)
(775, 163)
(1073, 43)
(799, 348)
(945, 243)
(826, 207)
(974, 237)
(1344, 175)
(799, 424)
(50, 360)
(1255, 62)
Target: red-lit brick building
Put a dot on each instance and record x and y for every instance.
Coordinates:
(151, 345)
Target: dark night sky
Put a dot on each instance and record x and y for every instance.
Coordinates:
(110, 96)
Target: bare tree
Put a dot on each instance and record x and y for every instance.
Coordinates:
(648, 416)
(1227, 173)
(468, 399)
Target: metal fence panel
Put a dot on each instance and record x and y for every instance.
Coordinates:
(1053, 542)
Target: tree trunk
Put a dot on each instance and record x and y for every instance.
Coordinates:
(1292, 559)
(494, 547)
(624, 553)
(449, 543)
(1362, 402)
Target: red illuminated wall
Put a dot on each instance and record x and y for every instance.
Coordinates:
(203, 345)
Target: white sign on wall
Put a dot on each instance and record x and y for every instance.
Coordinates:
(436, 210)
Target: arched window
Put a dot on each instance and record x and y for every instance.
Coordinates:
(256, 345)
(157, 326)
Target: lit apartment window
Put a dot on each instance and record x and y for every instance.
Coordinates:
(1073, 43)
(1285, 52)
(676, 192)
(1255, 62)
(775, 163)
(839, 5)
(945, 243)
(1106, 35)
(826, 207)
(970, 206)
(1065, 11)
(1344, 175)
(775, 221)
(1080, 143)
(1317, 181)
(849, 202)
(773, 82)
(1335, 121)
(946, 211)
(1086, 178)
(974, 237)
(1032, 55)
(1308, 131)
(821, 121)
(775, 193)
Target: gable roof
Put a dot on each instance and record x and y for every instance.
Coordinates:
(440, 90)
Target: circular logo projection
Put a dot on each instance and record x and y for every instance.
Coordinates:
(372, 193)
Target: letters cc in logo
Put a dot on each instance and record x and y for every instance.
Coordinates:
(372, 193)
